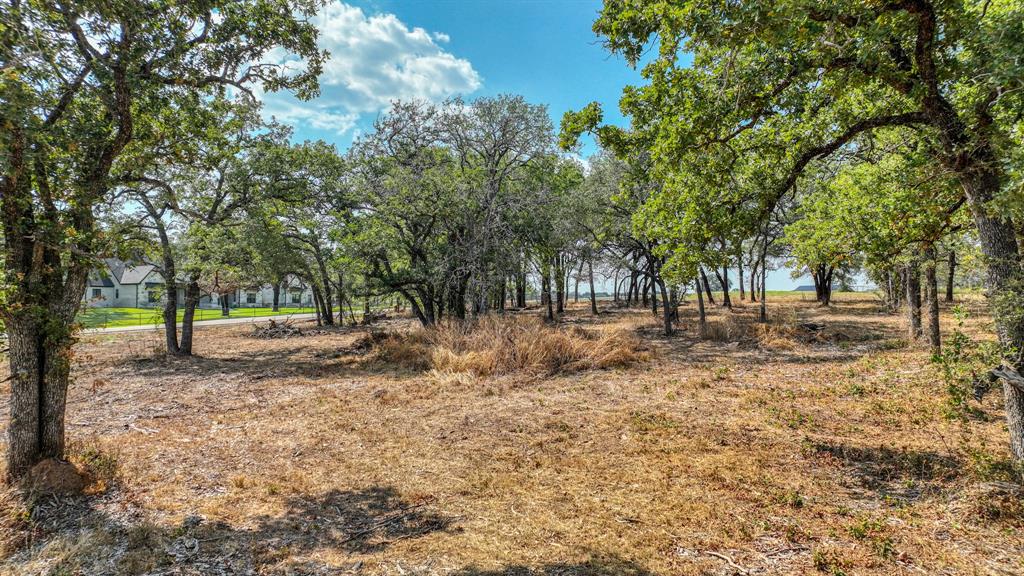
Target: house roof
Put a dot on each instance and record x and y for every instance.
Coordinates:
(810, 287)
(100, 281)
(126, 273)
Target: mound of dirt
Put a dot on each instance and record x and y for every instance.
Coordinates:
(52, 476)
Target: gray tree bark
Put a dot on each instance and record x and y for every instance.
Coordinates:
(593, 295)
(707, 287)
(188, 316)
(702, 319)
(931, 281)
(913, 284)
(951, 276)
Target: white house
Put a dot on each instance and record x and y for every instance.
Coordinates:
(120, 284)
(294, 293)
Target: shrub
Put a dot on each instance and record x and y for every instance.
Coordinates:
(100, 464)
(964, 363)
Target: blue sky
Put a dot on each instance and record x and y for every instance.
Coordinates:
(545, 50)
(383, 50)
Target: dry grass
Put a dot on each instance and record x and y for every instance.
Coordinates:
(320, 455)
(495, 346)
(15, 522)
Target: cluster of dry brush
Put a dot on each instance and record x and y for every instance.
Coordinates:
(493, 346)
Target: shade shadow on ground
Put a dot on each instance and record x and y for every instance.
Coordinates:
(595, 566)
(349, 522)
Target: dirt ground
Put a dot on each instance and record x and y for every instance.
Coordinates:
(788, 451)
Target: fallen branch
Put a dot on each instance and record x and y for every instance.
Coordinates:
(728, 561)
(785, 551)
(371, 317)
(274, 329)
(373, 527)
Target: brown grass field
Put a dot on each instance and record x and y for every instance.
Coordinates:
(596, 448)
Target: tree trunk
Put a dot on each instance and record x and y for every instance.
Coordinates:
(932, 283)
(739, 274)
(169, 272)
(702, 321)
(1005, 282)
(521, 290)
(666, 310)
(973, 158)
(593, 295)
(890, 292)
(754, 285)
(351, 314)
(764, 299)
(192, 296)
(951, 276)
(723, 279)
(170, 313)
(707, 287)
(458, 300)
(826, 288)
(615, 287)
(546, 294)
(816, 274)
(425, 313)
(39, 358)
(559, 285)
(654, 294)
(576, 286)
(318, 304)
(913, 285)
(225, 303)
(822, 276)
(341, 299)
(276, 286)
(40, 368)
(325, 298)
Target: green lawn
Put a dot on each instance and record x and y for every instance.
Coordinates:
(112, 317)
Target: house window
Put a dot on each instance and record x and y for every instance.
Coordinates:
(117, 293)
(153, 295)
(250, 298)
(97, 293)
(296, 297)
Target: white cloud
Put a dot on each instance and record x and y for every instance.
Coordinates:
(303, 113)
(579, 158)
(374, 59)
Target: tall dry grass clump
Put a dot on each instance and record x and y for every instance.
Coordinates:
(14, 521)
(780, 333)
(497, 345)
(727, 327)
